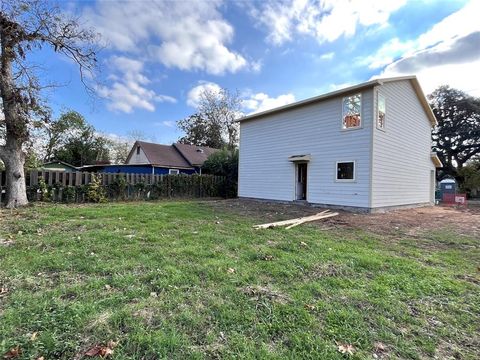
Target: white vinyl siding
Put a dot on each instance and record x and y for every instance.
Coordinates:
(267, 143)
(401, 167)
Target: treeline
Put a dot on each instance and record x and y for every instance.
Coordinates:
(70, 138)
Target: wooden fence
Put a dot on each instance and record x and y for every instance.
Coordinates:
(60, 186)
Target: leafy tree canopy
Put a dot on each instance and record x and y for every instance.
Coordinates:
(456, 139)
(214, 124)
(75, 141)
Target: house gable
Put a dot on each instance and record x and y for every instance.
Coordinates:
(401, 153)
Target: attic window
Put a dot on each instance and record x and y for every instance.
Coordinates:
(138, 150)
(381, 111)
(352, 112)
(200, 150)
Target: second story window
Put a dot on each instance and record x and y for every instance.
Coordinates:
(381, 112)
(352, 112)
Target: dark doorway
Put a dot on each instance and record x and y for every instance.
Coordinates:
(301, 183)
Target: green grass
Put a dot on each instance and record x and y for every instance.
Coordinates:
(155, 277)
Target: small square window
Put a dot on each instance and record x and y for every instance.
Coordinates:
(381, 111)
(352, 112)
(346, 171)
(173, 171)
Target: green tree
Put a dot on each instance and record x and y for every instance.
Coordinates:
(69, 125)
(27, 26)
(201, 132)
(470, 175)
(214, 124)
(77, 142)
(456, 139)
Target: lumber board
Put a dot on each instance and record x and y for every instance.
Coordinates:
(308, 220)
(291, 221)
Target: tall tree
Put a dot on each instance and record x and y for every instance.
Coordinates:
(78, 143)
(26, 26)
(214, 124)
(456, 139)
(199, 130)
(69, 125)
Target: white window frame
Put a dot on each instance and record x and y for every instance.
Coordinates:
(361, 111)
(354, 171)
(173, 172)
(378, 111)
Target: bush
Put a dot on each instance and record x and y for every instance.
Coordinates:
(224, 163)
(470, 176)
(95, 190)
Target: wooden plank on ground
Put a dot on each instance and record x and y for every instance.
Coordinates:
(308, 220)
(318, 216)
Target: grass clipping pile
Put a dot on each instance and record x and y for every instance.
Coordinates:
(298, 221)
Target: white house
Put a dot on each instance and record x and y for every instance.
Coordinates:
(366, 147)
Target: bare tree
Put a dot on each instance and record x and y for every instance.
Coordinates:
(222, 108)
(26, 26)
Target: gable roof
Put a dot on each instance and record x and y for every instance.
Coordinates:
(176, 155)
(369, 84)
(55, 162)
(195, 155)
(161, 155)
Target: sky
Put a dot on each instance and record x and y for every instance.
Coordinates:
(157, 56)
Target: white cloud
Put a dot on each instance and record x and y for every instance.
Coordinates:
(327, 56)
(448, 53)
(251, 103)
(333, 87)
(188, 35)
(128, 89)
(326, 20)
(389, 51)
(461, 23)
(261, 102)
(168, 123)
(195, 94)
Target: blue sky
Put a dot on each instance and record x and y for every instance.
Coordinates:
(157, 56)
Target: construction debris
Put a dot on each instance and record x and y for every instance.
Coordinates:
(298, 221)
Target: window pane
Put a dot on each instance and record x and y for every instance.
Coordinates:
(352, 110)
(381, 110)
(345, 171)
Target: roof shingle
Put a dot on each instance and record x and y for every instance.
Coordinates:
(163, 155)
(195, 155)
(176, 155)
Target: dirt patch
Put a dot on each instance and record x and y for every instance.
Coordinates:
(258, 293)
(328, 270)
(411, 222)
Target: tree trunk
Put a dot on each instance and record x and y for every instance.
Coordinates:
(14, 159)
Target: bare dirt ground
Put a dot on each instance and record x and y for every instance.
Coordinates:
(461, 221)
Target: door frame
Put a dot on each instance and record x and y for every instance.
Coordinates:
(296, 182)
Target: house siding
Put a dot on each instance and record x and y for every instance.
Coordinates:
(401, 163)
(138, 159)
(266, 144)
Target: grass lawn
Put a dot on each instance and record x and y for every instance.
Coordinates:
(190, 280)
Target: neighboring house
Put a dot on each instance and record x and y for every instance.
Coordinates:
(57, 165)
(366, 147)
(150, 158)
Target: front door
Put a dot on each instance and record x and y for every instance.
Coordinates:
(301, 183)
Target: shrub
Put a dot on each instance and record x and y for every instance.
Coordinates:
(224, 163)
(95, 190)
